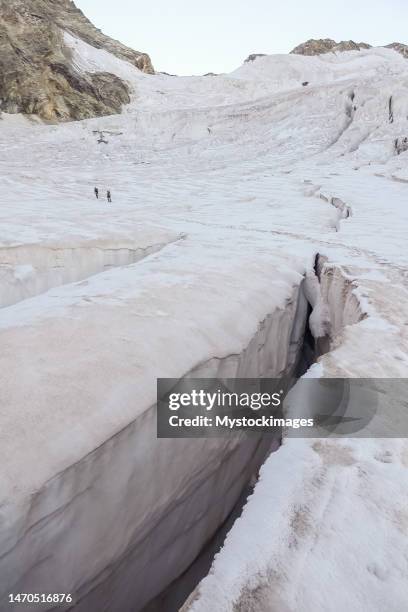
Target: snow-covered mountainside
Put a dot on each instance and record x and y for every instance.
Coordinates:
(36, 72)
(240, 203)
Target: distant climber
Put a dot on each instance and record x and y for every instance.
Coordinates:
(108, 195)
(96, 190)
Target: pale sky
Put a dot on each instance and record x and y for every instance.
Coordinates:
(195, 37)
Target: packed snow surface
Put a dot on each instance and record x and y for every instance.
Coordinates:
(224, 190)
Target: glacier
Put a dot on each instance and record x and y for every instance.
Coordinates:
(246, 209)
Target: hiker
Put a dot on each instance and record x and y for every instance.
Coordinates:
(96, 190)
(108, 194)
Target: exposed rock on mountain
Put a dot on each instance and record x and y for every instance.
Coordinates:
(36, 73)
(325, 45)
(254, 56)
(68, 17)
(403, 49)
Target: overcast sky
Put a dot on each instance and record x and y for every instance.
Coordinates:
(195, 36)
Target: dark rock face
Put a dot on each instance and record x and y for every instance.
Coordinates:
(36, 73)
(326, 45)
(401, 145)
(253, 56)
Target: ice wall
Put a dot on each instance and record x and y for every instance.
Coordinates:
(28, 270)
(294, 526)
(119, 523)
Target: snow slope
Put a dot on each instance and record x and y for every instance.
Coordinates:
(223, 194)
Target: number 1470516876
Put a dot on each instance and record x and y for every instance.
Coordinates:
(40, 598)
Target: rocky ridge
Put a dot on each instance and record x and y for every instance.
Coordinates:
(319, 46)
(327, 45)
(36, 72)
(403, 49)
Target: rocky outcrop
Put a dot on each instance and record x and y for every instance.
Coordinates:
(68, 17)
(36, 73)
(326, 45)
(403, 49)
(253, 57)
